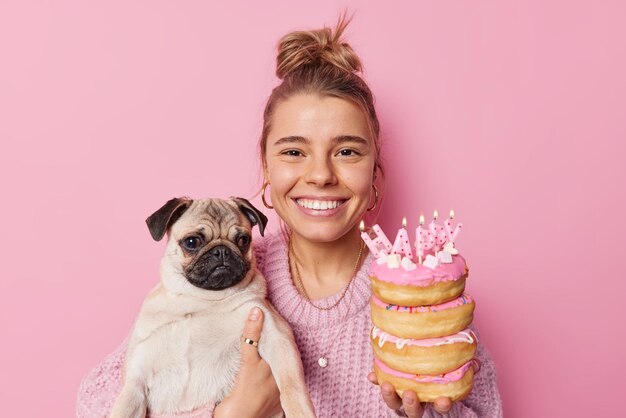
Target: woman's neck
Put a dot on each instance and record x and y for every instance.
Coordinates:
(324, 268)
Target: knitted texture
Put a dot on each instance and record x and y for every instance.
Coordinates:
(100, 387)
(340, 334)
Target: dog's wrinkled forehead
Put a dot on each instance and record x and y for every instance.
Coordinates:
(213, 218)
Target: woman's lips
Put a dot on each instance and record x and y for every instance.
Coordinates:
(320, 206)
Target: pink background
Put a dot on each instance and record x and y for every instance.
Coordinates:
(510, 112)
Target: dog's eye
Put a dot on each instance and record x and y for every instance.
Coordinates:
(243, 241)
(192, 243)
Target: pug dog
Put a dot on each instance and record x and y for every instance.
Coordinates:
(184, 351)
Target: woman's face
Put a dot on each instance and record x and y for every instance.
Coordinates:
(319, 163)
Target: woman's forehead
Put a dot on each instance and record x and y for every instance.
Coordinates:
(313, 117)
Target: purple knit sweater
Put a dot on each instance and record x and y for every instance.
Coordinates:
(341, 334)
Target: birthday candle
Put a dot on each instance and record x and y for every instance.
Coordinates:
(368, 241)
(440, 239)
(402, 245)
(381, 239)
(434, 230)
(419, 240)
(452, 234)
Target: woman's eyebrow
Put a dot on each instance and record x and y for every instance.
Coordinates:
(292, 140)
(349, 138)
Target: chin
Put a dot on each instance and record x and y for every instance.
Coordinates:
(320, 233)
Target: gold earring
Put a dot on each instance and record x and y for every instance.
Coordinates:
(375, 198)
(265, 184)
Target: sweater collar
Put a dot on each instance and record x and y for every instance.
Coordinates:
(295, 308)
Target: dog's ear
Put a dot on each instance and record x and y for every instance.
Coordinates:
(255, 216)
(161, 220)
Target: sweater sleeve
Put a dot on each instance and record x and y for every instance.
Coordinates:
(484, 400)
(100, 387)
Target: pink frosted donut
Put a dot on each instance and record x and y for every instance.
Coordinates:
(456, 384)
(423, 321)
(420, 286)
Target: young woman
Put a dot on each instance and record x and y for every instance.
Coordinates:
(322, 167)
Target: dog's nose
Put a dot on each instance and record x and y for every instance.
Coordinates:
(220, 252)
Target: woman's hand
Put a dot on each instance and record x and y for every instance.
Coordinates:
(255, 393)
(409, 401)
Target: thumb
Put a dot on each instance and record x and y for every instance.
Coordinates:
(251, 331)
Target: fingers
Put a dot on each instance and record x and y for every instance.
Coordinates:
(409, 401)
(412, 406)
(372, 378)
(442, 405)
(251, 333)
(390, 396)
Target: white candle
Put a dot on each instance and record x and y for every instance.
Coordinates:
(434, 231)
(450, 233)
(381, 239)
(402, 244)
(368, 241)
(419, 240)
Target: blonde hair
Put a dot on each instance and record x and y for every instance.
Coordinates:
(319, 62)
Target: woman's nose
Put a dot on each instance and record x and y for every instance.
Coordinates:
(320, 172)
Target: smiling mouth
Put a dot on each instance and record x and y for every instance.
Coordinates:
(319, 204)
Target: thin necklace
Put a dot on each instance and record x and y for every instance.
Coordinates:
(300, 285)
(322, 361)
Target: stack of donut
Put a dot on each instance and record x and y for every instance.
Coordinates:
(421, 336)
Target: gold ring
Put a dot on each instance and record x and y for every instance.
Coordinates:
(251, 342)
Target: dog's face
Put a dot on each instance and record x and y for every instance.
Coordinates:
(209, 242)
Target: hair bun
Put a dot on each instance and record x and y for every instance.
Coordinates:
(317, 48)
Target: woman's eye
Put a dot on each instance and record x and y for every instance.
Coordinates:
(243, 241)
(347, 152)
(192, 243)
(293, 153)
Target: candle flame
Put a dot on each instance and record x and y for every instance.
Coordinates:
(451, 214)
(404, 222)
(421, 219)
(436, 214)
(362, 226)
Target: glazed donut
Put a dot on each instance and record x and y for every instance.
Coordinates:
(455, 385)
(423, 321)
(420, 286)
(431, 356)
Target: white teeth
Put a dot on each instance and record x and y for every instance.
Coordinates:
(318, 204)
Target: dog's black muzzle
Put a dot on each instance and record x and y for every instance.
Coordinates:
(216, 269)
